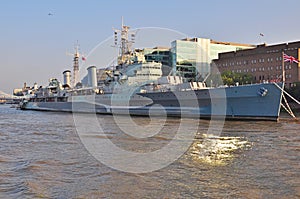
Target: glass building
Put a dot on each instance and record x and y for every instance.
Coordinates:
(158, 54)
(191, 57)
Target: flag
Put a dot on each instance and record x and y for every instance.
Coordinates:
(83, 58)
(291, 59)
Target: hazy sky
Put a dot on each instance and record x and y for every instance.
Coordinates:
(34, 44)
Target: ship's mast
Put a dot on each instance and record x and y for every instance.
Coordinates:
(125, 45)
(76, 65)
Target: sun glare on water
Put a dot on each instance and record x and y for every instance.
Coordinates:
(217, 150)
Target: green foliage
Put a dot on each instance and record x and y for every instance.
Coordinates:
(213, 80)
(231, 78)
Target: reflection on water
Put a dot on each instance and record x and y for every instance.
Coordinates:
(41, 156)
(217, 150)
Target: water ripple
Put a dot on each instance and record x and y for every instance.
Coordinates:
(42, 157)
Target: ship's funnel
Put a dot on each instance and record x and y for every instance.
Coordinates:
(35, 86)
(67, 78)
(92, 76)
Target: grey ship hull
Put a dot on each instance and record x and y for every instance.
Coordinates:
(249, 102)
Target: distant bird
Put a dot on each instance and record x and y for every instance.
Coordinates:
(50, 14)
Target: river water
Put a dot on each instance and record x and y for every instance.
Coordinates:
(42, 156)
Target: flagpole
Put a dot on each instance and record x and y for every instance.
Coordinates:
(283, 70)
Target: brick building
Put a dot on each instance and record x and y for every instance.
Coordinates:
(263, 62)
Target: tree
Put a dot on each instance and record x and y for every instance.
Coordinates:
(212, 80)
(231, 78)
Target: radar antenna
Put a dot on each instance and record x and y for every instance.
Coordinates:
(125, 46)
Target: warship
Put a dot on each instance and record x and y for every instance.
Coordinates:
(138, 87)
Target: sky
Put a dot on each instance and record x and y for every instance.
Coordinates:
(33, 44)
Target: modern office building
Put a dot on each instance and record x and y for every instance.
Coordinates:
(158, 54)
(264, 62)
(192, 57)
